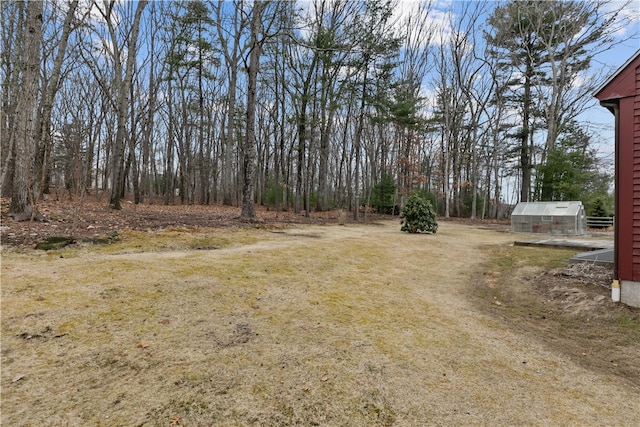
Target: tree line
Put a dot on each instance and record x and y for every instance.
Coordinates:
(302, 106)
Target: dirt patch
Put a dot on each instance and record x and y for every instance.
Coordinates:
(89, 219)
(566, 307)
(578, 290)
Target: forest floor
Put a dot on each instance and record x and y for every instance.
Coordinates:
(189, 316)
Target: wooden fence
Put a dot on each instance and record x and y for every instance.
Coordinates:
(599, 221)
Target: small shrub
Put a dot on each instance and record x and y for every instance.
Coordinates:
(418, 216)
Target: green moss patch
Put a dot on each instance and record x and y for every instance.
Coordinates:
(55, 242)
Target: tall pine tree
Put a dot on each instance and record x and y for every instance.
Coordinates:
(544, 48)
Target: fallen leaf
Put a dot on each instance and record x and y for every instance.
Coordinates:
(175, 421)
(324, 378)
(17, 378)
(143, 345)
(164, 321)
(306, 388)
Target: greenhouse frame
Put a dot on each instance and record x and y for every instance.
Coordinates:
(566, 218)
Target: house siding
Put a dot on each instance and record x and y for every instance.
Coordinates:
(621, 95)
(635, 244)
(627, 211)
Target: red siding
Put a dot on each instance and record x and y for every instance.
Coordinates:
(627, 194)
(622, 84)
(635, 243)
(623, 92)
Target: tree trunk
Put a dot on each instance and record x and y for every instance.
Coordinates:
(169, 188)
(326, 128)
(248, 211)
(525, 152)
(232, 57)
(124, 83)
(50, 93)
(22, 201)
(358, 143)
(148, 124)
(10, 54)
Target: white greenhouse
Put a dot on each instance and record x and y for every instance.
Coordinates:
(549, 218)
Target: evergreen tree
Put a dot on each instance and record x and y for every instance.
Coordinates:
(515, 41)
(572, 171)
(383, 193)
(544, 47)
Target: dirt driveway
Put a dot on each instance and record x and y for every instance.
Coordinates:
(311, 325)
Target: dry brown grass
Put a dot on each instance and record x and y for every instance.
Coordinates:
(317, 325)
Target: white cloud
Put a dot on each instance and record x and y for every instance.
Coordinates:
(435, 15)
(629, 16)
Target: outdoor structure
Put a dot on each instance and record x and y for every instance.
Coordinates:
(549, 218)
(621, 95)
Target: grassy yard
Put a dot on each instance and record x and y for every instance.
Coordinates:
(313, 325)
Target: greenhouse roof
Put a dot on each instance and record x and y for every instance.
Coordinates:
(548, 208)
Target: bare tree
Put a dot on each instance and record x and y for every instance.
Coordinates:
(153, 101)
(477, 90)
(12, 30)
(122, 89)
(23, 204)
(51, 87)
(408, 103)
(249, 148)
(230, 37)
